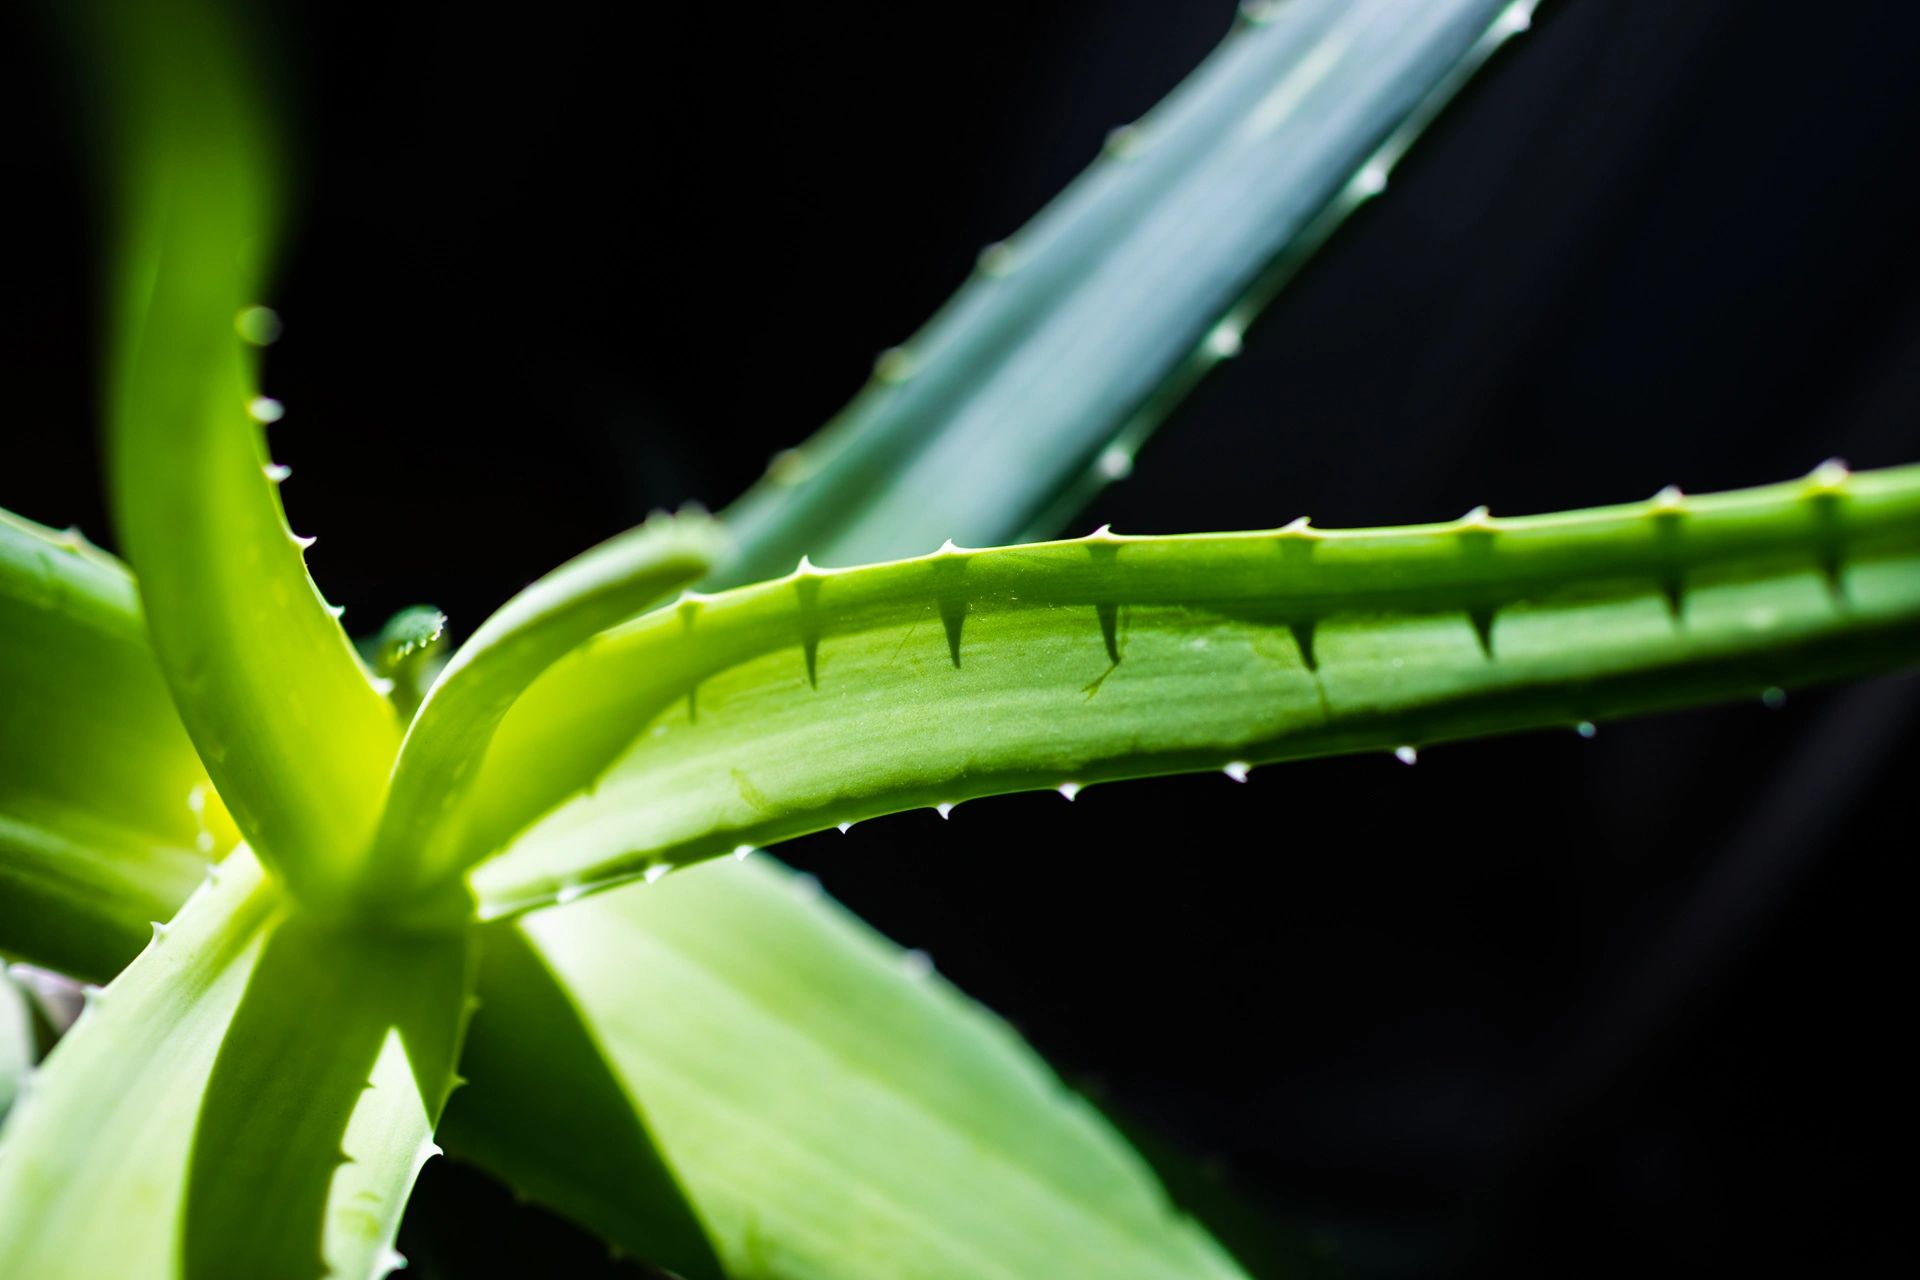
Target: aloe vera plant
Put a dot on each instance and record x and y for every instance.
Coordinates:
(299, 868)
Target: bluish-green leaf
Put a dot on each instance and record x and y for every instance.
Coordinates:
(1037, 382)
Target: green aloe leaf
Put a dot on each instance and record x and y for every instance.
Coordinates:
(289, 724)
(253, 1096)
(440, 757)
(1037, 382)
(735, 1071)
(106, 821)
(769, 711)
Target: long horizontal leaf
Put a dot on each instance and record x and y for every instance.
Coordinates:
(288, 722)
(736, 1077)
(106, 822)
(253, 1096)
(1043, 375)
(769, 711)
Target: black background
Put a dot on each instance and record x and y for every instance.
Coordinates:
(1538, 1005)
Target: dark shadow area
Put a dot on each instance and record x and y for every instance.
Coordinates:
(566, 1119)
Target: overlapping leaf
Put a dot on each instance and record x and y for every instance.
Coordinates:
(440, 757)
(253, 1096)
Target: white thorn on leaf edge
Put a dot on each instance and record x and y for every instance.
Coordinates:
(1371, 180)
(1831, 474)
(1237, 770)
(1515, 18)
(1115, 463)
(1225, 340)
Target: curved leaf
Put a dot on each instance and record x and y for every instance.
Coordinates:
(770, 711)
(106, 821)
(269, 688)
(819, 1105)
(440, 757)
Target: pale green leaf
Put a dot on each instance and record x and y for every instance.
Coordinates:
(766, 712)
(440, 757)
(19, 1046)
(731, 1066)
(252, 1097)
(277, 703)
(106, 821)
(1037, 382)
